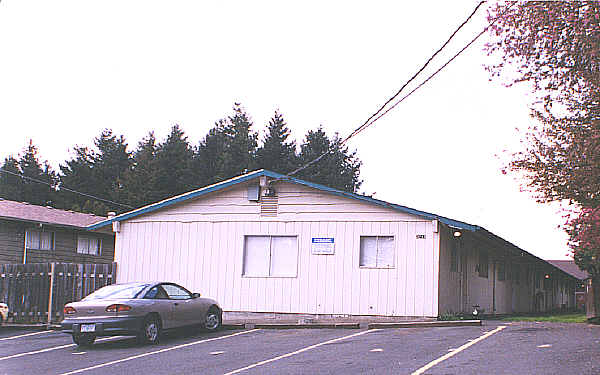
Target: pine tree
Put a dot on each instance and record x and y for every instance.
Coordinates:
(209, 155)
(174, 161)
(140, 180)
(10, 183)
(240, 146)
(338, 169)
(276, 153)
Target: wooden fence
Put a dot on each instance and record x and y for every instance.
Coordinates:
(30, 289)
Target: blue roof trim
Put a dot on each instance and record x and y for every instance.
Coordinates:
(281, 177)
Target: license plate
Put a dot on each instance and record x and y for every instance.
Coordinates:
(88, 328)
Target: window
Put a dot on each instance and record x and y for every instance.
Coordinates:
(176, 292)
(377, 251)
(88, 245)
(516, 273)
(454, 257)
(501, 271)
(482, 267)
(270, 256)
(39, 240)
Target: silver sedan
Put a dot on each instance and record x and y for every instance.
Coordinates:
(139, 309)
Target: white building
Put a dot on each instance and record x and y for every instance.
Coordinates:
(264, 242)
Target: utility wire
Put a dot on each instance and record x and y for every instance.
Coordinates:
(433, 74)
(64, 188)
(376, 116)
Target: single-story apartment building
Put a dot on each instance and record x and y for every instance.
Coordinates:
(265, 242)
(38, 234)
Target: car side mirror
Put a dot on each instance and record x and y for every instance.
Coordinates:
(195, 295)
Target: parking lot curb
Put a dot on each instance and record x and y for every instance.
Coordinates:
(446, 323)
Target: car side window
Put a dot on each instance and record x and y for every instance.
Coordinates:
(176, 292)
(156, 293)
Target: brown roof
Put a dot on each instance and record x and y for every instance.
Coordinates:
(569, 267)
(28, 212)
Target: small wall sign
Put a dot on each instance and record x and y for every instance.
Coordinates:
(323, 246)
(420, 236)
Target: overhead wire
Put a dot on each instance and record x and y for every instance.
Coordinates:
(66, 189)
(377, 115)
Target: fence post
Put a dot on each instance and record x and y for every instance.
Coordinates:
(50, 294)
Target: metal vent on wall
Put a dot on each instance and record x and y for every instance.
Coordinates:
(268, 206)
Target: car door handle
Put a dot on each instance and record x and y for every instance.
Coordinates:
(176, 304)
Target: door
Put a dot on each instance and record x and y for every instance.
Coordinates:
(184, 310)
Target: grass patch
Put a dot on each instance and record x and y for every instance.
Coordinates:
(555, 318)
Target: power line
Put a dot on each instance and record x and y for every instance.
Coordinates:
(64, 188)
(433, 74)
(376, 116)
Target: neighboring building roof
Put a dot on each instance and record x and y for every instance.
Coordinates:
(20, 211)
(262, 172)
(569, 267)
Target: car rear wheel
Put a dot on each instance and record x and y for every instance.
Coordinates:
(213, 320)
(84, 339)
(150, 332)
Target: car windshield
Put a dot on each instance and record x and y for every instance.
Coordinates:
(117, 291)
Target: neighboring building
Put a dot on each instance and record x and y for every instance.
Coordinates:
(264, 242)
(37, 234)
(583, 285)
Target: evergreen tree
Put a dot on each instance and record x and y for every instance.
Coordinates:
(10, 185)
(338, 169)
(240, 146)
(174, 160)
(140, 180)
(209, 155)
(77, 174)
(276, 153)
(98, 173)
(109, 164)
(34, 192)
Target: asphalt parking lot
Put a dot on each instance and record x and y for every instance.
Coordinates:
(494, 348)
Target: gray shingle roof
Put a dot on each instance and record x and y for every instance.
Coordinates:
(12, 210)
(569, 267)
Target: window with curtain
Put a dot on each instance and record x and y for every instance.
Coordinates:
(89, 245)
(377, 251)
(270, 256)
(38, 240)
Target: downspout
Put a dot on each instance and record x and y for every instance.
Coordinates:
(494, 289)
(25, 247)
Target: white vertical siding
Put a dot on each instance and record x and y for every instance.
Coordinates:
(207, 257)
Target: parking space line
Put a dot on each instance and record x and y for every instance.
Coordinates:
(53, 348)
(24, 335)
(298, 351)
(156, 352)
(456, 351)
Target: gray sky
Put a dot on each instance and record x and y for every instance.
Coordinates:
(71, 68)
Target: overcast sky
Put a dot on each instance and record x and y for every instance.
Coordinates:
(69, 69)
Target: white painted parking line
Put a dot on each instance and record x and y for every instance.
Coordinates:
(156, 352)
(456, 351)
(298, 351)
(24, 335)
(544, 346)
(53, 348)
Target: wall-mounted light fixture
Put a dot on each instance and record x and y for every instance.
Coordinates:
(457, 233)
(547, 276)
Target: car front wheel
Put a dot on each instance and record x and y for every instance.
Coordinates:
(150, 332)
(213, 319)
(84, 339)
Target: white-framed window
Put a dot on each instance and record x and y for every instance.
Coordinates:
(270, 256)
(89, 245)
(38, 240)
(377, 251)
